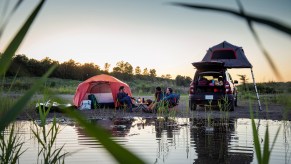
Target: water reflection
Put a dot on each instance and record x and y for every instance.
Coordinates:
(166, 130)
(121, 126)
(117, 127)
(212, 141)
(167, 125)
(167, 140)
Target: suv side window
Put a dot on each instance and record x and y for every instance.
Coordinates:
(228, 76)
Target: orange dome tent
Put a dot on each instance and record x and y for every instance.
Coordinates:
(104, 87)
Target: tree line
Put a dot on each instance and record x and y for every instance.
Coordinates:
(23, 66)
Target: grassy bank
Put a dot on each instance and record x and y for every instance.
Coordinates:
(270, 90)
(66, 86)
(22, 84)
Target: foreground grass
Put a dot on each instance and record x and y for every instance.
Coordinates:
(11, 145)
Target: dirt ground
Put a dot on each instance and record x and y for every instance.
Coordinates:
(269, 111)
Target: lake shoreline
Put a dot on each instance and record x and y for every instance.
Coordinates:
(270, 111)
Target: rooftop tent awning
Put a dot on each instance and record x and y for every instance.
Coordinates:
(233, 56)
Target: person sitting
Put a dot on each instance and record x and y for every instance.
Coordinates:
(169, 98)
(151, 104)
(123, 98)
(159, 95)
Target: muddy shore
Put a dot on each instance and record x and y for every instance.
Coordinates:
(269, 111)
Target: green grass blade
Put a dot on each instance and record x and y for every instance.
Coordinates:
(18, 154)
(266, 21)
(250, 18)
(274, 141)
(3, 13)
(57, 155)
(12, 113)
(256, 139)
(256, 142)
(36, 135)
(266, 153)
(256, 36)
(4, 24)
(16, 41)
(13, 81)
(121, 154)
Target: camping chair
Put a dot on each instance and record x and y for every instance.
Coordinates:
(119, 105)
(175, 101)
(172, 104)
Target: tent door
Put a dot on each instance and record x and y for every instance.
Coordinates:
(102, 92)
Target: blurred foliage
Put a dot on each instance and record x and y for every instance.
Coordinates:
(267, 87)
(121, 154)
(250, 19)
(183, 81)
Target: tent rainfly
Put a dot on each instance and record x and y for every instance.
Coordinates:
(233, 57)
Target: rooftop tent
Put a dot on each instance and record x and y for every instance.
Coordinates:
(233, 56)
(104, 87)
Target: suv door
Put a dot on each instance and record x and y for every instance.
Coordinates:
(233, 87)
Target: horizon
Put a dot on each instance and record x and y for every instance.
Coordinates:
(153, 35)
(230, 70)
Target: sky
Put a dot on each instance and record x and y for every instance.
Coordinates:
(152, 34)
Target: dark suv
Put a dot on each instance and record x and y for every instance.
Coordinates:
(212, 85)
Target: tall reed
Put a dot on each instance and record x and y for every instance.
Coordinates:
(10, 146)
(263, 156)
(47, 138)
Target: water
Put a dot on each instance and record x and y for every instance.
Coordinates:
(178, 140)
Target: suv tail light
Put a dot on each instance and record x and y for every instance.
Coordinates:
(191, 91)
(227, 88)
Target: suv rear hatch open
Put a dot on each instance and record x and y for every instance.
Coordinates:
(209, 77)
(209, 65)
(209, 82)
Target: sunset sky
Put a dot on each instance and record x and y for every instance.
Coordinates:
(151, 34)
